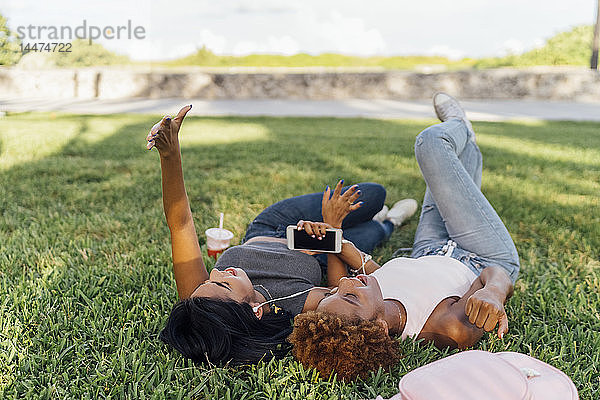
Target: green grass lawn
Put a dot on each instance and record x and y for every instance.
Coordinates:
(85, 269)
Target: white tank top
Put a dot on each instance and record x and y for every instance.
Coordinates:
(420, 284)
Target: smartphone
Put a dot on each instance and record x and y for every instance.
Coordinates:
(300, 240)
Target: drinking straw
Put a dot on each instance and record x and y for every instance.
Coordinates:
(221, 221)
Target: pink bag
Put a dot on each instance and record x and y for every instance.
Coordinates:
(480, 375)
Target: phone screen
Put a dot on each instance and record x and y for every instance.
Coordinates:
(302, 241)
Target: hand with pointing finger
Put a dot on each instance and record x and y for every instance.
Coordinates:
(164, 134)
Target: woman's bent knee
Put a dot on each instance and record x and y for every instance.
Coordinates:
(373, 195)
(432, 137)
(374, 190)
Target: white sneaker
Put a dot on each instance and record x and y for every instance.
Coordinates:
(380, 216)
(401, 211)
(447, 107)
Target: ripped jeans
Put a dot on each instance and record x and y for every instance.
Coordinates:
(454, 208)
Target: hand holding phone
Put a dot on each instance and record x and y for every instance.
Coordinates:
(314, 236)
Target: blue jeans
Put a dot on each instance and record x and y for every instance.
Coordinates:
(454, 207)
(358, 226)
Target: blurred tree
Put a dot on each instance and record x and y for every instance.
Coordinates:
(83, 54)
(203, 56)
(572, 47)
(10, 45)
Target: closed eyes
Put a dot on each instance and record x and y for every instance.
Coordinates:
(351, 298)
(223, 285)
(346, 295)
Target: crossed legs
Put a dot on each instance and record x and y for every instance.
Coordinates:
(454, 206)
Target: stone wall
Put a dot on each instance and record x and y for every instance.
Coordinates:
(91, 83)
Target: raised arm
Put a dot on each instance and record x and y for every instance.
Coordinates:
(335, 207)
(188, 266)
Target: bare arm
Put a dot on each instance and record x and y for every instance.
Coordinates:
(335, 207)
(464, 321)
(336, 269)
(485, 307)
(353, 257)
(188, 266)
(337, 264)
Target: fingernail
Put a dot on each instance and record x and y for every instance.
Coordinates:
(358, 192)
(360, 203)
(313, 235)
(168, 119)
(342, 181)
(327, 188)
(190, 106)
(320, 238)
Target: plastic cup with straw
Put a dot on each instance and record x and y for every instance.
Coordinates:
(217, 239)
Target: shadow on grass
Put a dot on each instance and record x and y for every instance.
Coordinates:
(90, 176)
(116, 174)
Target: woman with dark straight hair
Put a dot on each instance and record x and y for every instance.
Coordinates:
(242, 311)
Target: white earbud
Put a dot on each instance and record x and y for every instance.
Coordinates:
(255, 308)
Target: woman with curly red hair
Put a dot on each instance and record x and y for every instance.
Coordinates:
(453, 287)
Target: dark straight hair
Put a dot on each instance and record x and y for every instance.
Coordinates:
(205, 329)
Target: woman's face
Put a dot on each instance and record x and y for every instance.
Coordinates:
(358, 297)
(229, 284)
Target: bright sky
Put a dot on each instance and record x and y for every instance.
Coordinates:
(455, 28)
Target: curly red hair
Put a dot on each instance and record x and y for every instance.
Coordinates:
(349, 347)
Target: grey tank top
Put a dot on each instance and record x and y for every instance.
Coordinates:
(278, 269)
